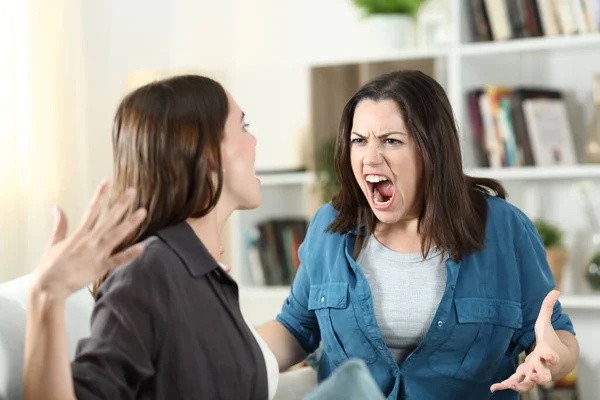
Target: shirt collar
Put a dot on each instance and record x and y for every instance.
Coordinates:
(185, 243)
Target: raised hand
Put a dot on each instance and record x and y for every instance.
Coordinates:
(71, 263)
(535, 370)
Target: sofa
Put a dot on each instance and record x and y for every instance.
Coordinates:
(13, 300)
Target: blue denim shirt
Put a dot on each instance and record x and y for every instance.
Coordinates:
(485, 319)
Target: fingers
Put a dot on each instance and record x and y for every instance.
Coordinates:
(551, 357)
(518, 382)
(59, 230)
(525, 386)
(117, 234)
(95, 207)
(509, 383)
(125, 255)
(540, 372)
(115, 214)
(547, 307)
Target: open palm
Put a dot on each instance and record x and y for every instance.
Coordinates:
(71, 263)
(535, 370)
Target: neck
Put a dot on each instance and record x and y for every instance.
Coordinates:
(209, 228)
(402, 236)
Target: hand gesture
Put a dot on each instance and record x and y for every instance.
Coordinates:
(72, 263)
(535, 370)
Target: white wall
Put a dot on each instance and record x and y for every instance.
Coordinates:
(263, 46)
(119, 37)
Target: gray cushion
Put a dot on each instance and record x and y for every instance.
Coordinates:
(12, 334)
(13, 303)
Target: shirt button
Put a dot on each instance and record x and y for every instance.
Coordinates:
(322, 299)
(440, 323)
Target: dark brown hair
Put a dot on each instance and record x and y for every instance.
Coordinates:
(454, 210)
(167, 145)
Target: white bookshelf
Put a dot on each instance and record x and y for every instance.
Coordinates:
(580, 302)
(568, 173)
(286, 179)
(587, 41)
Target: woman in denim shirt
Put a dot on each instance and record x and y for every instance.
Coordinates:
(427, 275)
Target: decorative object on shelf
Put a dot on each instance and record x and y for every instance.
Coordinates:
(433, 24)
(327, 178)
(391, 23)
(556, 254)
(592, 265)
(592, 269)
(592, 146)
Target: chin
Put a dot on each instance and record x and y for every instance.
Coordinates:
(387, 217)
(251, 201)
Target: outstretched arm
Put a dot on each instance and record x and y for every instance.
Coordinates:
(68, 265)
(283, 344)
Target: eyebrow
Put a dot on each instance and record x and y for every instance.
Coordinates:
(382, 136)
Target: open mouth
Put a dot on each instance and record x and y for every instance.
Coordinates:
(381, 190)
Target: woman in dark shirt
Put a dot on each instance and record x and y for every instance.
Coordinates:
(166, 325)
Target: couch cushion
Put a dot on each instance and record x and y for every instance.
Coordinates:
(13, 303)
(78, 309)
(12, 335)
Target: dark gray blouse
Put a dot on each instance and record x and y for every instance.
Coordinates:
(168, 326)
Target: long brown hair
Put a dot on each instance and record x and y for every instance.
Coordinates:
(167, 145)
(454, 210)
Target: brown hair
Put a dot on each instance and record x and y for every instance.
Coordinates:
(167, 144)
(454, 209)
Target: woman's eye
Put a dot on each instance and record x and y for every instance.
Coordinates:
(392, 141)
(357, 140)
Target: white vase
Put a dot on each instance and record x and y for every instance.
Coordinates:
(390, 31)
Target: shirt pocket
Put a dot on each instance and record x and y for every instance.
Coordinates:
(479, 340)
(340, 333)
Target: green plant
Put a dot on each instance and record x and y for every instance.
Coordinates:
(408, 7)
(326, 170)
(550, 233)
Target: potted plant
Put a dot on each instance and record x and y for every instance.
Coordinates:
(390, 22)
(556, 254)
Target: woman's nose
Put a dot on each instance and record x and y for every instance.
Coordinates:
(372, 155)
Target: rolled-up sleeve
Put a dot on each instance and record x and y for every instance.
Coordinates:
(295, 315)
(536, 282)
(128, 324)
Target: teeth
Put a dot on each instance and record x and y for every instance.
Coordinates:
(375, 178)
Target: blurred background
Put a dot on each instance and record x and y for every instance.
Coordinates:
(523, 77)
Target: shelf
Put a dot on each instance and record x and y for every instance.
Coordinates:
(278, 294)
(580, 302)
(286, 178)
(530, 44)
(574, 172)
(582, 171)
(381, 56)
